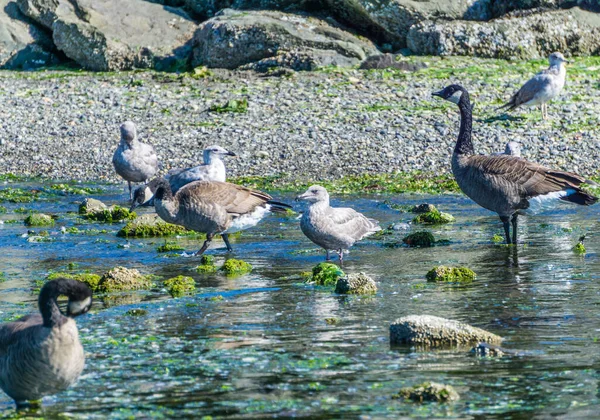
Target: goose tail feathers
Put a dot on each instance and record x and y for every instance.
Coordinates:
(278, 207)
(580, 197)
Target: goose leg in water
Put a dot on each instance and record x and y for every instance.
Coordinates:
(130, 193)
(225, 237)
(341, 256)
(506, 223)
(327, 258)
(209, 237)
(514, 228)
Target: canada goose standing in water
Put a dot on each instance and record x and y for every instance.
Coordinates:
(333, 228)
(213, 207)
(133, 160)
(543, 87)
(41, 354)
(507, 185)
(213, 169)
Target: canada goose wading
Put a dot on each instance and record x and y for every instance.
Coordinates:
(333, 228)
(507, 185)
(40, 354)
(213, 207)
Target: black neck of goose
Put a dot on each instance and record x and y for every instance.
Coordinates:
(163, 190)
(464, 145)
(49, 294)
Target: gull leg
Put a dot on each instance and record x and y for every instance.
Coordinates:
(506, 224)
(225, 237)
(514, 228)
(209, 237)
(130, 193)
(341, 256)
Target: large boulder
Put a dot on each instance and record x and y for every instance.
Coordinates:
(22, 44)
(233, 39)
(205, 9)
(502, 7)
(573, 31)
(107, 35)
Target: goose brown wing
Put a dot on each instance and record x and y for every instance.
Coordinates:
(234, 198)
(531, 179)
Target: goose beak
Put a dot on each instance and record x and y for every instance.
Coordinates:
(438, 93)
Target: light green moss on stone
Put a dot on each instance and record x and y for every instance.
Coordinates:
(207, 264)
(497, 239)
(169, 246)
(434, 218)
(421, 239)
(451, 274)
(233, 266)
(326, 274)
(39, 219)
(136, 312)
(148, 226)
(180, 286)
(356, 284)
(111, 215)
(579, 248)
(428, 391)
(122, 279)
(90, 279)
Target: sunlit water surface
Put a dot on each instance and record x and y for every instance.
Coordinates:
(266, 351)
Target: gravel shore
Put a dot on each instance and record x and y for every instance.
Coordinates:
(310, 125)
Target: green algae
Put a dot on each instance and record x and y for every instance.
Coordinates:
(497, 239)
(234, 267)
(422, 239)
(110, 215)
(325, 274)
(18, 195)
(217, 298)
(90, 279)
(434, 218)
(3, 210)
(39, 219)
(180, 286)
(333, 321)
(143, 227)
(2, 277)
(232, 105)
(123, 279)
(428, 391)
(207, 264)
(136, 312)
(169, 246)
(75, 190)
(579, 248)
(450, 274)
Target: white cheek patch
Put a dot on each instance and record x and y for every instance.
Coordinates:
(147, 195)
(76, 307)
(455, 96)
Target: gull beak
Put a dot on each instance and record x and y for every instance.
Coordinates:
(302, 196)
(438, 93)
(230, 154)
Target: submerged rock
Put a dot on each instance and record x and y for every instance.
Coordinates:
(233, 266)
(433, 331)
(169, 246)
(92, 209)
(487, 350)
(180, 285)
(434, 218)
(428, 391)
(326, 274)
(421, 239)
(150, 225)
(423, 208)
(136, 312)
(39, 219)
(442, 273)
(207, 264)
(121, 279)
(356, 284)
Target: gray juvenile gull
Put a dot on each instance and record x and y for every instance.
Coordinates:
(133, 160)
(542, 87)
(40, 354)
(213, 207)
(213, 169)
(333, 228)
(512, 148)
(507, 185)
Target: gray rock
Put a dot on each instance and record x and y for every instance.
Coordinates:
(42, 11)
(502, 7)
(423, 208)
(389, 61)
(572, 31)
(110, 35)
(205, 9)
(433, 331)
(91, 205)
(428, 391)
(22, 44)
(233, 39)
(356, 284)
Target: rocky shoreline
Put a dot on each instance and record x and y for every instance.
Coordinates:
(305, 126)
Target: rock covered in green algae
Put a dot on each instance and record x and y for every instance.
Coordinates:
(434, 218)
(169, 246)
(433, 331)
(136, 312)
(121, 279)
(428, 391)
(326, 274)
(356, 284)
(96, 210)
(421, 239)
(441, 273)
(579, 248)
(39, 219)
(233, 266)
(150, 225)
(90, 279)
(497, 239)
(423, 208)
(180, 285)
(207, 264)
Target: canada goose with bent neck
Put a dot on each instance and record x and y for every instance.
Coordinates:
(508, 185)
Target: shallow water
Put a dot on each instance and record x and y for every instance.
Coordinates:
(266, 351)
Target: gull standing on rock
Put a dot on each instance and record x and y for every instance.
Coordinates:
(133, 160)
(213, 207)
(543, 87)
(333, 228)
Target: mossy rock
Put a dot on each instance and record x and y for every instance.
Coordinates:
(207, 264)
(39, 219)
(579, 248)
(180, 286)
(148, 226)
(3, 210)
(434, 218)
(428, 392)
(442, 273)
(169, 247)
(136, 312)
(92, 280)
(497, 239)
(356, 284)
(421, 239)
(233, 267)
(96, 210)
(122, 279)
(326, 274)
(423, 208)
